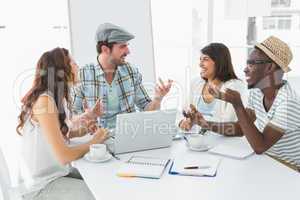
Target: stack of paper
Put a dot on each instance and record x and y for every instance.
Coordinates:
(143, 166)
(238, 148)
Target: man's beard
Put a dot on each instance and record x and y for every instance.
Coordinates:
(117, 62)
(263, 83)
(268, 81)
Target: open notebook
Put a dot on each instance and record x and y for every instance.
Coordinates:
(195, 166)
(143, 166)
(238, 148)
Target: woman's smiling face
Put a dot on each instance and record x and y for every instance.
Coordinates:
(207, 66)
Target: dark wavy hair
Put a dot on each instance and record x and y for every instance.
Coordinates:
(53, 72)
(104, 43)
(220, 54)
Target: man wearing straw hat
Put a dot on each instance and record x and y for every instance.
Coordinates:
(271, 121)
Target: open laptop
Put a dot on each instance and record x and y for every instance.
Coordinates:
(144, 130)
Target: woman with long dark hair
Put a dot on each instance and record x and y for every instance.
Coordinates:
(45, 125)
(216, 72)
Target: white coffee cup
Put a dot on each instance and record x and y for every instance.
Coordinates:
(97, 151)
(196, 140)
(110, 144)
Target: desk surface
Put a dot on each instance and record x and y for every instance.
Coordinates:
(257, 177)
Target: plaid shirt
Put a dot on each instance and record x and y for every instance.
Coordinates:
(93, 85)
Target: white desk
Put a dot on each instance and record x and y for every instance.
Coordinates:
(255, 178)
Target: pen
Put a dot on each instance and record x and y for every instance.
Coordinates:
(185, 139)
(185, 114)
(125, 175)
(202, 131)
(198, 167)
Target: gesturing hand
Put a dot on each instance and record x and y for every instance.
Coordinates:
(89, 118)
(229, 95)
(195, 116)
(162, 89)
(96, 111)
(186, 124)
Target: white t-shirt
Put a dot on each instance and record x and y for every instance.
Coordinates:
(283, 114)
(39, 165)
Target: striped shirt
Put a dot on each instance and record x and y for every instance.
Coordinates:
(283, 114)
(130, 90)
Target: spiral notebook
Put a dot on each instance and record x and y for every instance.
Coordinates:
(143, 166)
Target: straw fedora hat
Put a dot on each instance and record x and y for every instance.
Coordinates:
(278, 51)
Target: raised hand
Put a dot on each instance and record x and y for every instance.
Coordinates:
(229, 95)
(96, 111)
(215, 91)
(162, 89)
(233, 97)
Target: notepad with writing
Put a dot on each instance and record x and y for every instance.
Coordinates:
(238, 148)
(143, 166)
(195, 166)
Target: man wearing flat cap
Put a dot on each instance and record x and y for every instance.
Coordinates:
(271, 121)
(113, 80)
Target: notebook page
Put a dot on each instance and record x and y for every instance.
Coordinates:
(235, 147)
(143, 166)
(208, 166)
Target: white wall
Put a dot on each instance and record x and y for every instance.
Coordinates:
(172, 32)
(31, 27)
(132, 15)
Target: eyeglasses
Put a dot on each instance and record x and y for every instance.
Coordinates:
(258, 62)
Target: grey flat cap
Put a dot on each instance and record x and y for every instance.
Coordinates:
(112, 33)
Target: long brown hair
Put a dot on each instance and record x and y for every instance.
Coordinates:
(53, 72)
(220, 54)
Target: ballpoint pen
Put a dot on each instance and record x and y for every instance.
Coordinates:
(185, 114)
(198, 167)
(185, 139)
(202, 131)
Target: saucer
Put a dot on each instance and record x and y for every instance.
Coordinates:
(201, 148)
(107, 157)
